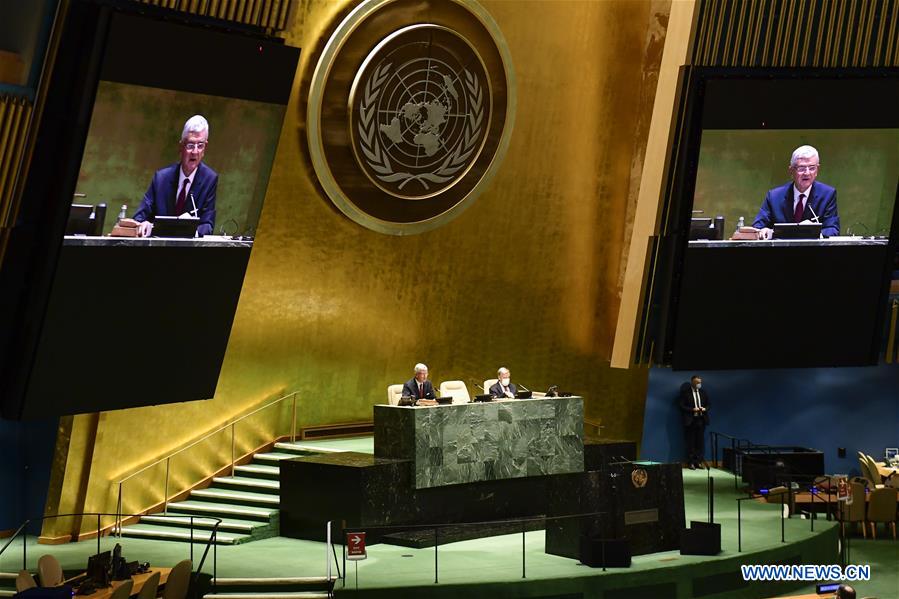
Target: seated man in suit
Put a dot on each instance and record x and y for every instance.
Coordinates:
(801, 201)
(503, 387)
(188, 186)
(419, 386)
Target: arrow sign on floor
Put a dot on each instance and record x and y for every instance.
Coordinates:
(355, 546)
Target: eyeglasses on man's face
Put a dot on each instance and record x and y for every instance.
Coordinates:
(199, 146)
(807, 168)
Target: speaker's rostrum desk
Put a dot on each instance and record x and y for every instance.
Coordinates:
(472, 462)
(471, 442)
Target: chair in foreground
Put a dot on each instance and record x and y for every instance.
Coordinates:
(49, 570)
(148, 591)
(882, 508)
(874, 472)
(123, 591)
(178, 582)
(489, 383)
(456, 389)
(24, 581)
(855, 511)
(394, 393)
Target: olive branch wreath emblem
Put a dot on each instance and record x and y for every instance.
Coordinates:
(377, 158)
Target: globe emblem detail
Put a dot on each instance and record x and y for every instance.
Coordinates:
(421, 114)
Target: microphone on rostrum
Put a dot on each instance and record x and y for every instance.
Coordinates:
(523, 387)
(472, 381)
(809, 205)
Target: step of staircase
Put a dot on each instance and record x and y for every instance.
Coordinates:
(298, 447)
(226, 525)
(221, 510)
(264, 471)
(246, 498)
(284, 581)
(170, 533)
(291, 595)
(273, 587)
(244, 483)
(273, 457)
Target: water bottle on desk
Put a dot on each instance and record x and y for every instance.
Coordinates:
(740, 223)
(122, 213)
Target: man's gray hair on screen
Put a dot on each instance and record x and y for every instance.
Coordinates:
(419, 367)
(803, 152)
(195, 124)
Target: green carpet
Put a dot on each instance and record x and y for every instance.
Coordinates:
(493, 567)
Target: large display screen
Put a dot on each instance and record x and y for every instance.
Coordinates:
(143, 269)
(785, 228)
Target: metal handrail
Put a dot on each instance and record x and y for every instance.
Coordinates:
(167, 459)
(348, 530)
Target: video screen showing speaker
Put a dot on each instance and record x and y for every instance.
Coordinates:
(787, 222)
(173, 142)
(146, 186)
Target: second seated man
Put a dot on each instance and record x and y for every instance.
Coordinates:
(803, 200)
(503, 387)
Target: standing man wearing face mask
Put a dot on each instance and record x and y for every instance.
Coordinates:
(503, 388)
(694, 405)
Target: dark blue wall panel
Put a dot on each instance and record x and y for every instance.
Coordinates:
(822, 408)
(26, 457)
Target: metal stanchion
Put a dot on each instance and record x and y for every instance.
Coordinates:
(435, 553)
(522, 550)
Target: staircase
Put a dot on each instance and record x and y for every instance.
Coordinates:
(247, 503)
(310, 587)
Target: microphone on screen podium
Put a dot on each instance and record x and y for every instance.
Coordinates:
(809, 206)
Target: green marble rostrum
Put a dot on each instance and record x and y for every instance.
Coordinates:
(473, 442)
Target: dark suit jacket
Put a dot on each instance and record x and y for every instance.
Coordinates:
(410, 389)
(163, 193)
(778, 208)
(687, 404)
(497, 390)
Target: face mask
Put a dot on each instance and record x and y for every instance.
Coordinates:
(505, 382)
(698, 386)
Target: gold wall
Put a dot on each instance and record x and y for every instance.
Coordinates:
(528, 277)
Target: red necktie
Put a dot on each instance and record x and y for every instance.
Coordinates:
(421, 390)
(800, 208)
(179, 205)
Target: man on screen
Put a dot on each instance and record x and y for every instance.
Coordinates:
(186, 187)
(419, 386)
(803, 200)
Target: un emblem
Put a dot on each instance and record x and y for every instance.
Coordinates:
(428, 103)
(421, 117)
